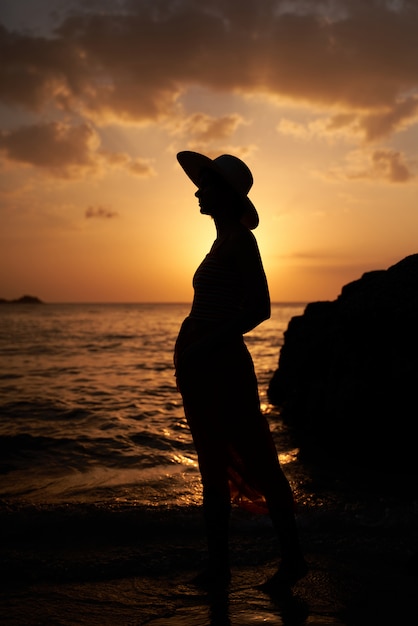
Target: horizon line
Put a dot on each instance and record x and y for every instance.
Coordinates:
(16, 301)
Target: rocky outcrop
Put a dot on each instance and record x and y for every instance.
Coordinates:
(347, 380)
(22, 300)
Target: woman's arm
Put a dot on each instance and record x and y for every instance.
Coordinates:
(244, 253)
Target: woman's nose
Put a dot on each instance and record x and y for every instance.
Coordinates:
(197, 193)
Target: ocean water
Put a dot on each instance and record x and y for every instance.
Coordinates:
(89, 410)
(100, 490)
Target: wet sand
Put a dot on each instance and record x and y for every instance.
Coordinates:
(129, 566)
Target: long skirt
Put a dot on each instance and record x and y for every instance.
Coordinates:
(216, 378)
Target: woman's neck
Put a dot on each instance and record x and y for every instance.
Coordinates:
(225, 226)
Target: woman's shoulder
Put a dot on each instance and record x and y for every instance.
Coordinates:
(239, 248)
(242, 235)
(243, 240)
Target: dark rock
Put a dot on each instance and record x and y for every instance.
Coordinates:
(347, 379)
(22, 300)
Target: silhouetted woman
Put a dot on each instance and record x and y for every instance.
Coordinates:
(215, 373)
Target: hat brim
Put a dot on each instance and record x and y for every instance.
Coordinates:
(193, 163)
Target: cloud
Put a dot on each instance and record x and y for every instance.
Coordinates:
(399, 116)
(141, 167)
(322, 127)
(134, 64)
(63, 150)
(66, 151)
(100, 212)
(137, 167)
(369, 127)
(131, 62)
(390, 165)
(204, 128)
(382, 164)
(376, 125)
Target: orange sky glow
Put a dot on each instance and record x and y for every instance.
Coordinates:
(96, 98)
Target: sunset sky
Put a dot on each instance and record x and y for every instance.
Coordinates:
(97, 97)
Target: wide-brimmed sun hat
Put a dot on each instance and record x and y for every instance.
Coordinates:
(233, 171)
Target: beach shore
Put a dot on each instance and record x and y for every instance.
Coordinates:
(125, 565)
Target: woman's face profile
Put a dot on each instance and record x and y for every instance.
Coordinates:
(214, 194)
(208, 192)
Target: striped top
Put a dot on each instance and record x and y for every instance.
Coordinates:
(218, 291)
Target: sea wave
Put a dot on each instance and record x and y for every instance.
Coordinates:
(92, 387)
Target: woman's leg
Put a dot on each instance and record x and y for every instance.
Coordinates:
(292, 565)
(256, 448)
(212, 457)
(216, 512)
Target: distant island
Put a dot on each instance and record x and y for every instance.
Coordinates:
(22, 300)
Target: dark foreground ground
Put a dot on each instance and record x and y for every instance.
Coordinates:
(124, 565)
